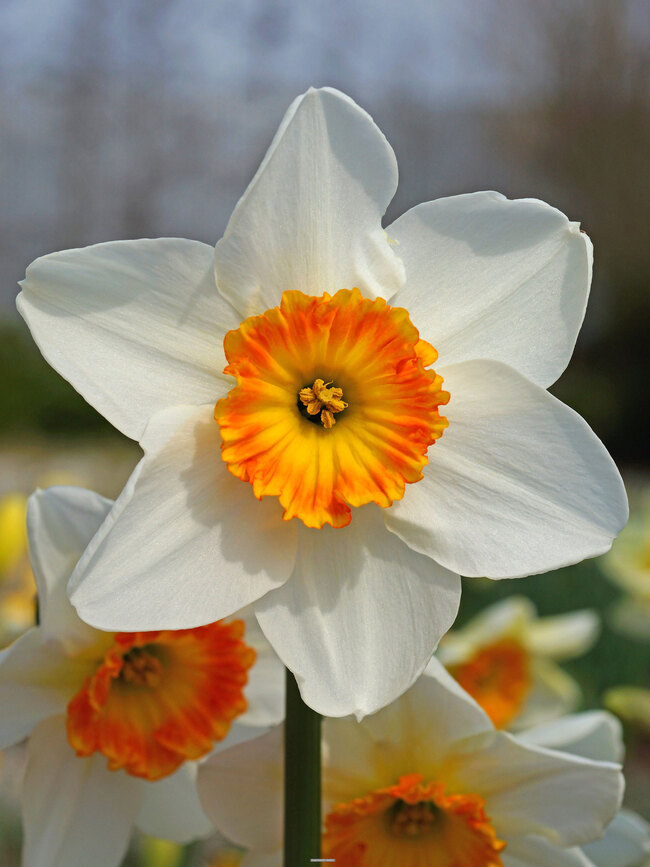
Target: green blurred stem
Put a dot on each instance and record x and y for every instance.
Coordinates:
(302, 793)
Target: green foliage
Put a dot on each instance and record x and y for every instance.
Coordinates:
(34, 398)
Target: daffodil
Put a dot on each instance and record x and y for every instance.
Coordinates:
(17, 588)
(505, 659)
(631, 704)
(427, 780)
(596, 735)
(116, 721)
(337, 419)
(628, 565)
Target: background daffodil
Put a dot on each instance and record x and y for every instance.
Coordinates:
(424, 781)
(115, 722)
(505, 658)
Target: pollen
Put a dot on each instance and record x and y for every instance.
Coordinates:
(140, 668)
(412, 820)
(323, 399)
(295, 364)
(157, 699)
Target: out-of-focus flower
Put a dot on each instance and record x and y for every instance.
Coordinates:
(631, 704)
(328, 409)
(427, 780)
(160, 853)
(17, 587)
(505, 659)
(227, 858)
(596, 735)
(628, 565)
(115, 720)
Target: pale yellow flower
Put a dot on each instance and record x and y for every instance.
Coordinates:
(628, 565)
(631, 704)
(161, 853)
(17, 587)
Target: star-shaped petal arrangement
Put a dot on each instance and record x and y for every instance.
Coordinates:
(346, 525)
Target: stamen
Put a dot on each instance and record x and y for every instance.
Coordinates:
(413, 820)
(141, 668)
(321, 398)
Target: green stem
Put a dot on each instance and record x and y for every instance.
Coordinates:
(302, 807)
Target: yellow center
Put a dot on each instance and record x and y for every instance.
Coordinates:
(293, 365)
(498, 677)
(412, 824)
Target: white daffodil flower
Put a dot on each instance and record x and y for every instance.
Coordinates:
(115, 720)
(427, 780)
(504, 658)
(628, 565)
(596, 735)
(286, 374)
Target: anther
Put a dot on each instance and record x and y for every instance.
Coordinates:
(320, 398)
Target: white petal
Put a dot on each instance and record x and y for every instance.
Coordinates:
(416, 731)
(311, 217)
(491, 278)
(186, 542)
(36, 681)
(61, 521)
(355, 759)
(171, 808)
(241, 790)
(530, 790)
(518, 483)
(360, 617)
(626, 843)
(75, 811)
(508, 617)
(266, 681)
(537, 852)
(135, 326)
(553, 693)
(566, 635)
(593, 735)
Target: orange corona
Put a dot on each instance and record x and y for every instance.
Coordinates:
(160, 698)
(498, 677)
(333, 406)
(412, 824)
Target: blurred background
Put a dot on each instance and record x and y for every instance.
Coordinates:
(146, 118)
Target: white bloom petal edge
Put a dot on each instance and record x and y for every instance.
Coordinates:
(171, 808)
(148, 315)
(60, 522)
(518, 483)
(186, 542)
(241, 791)
(360, 617)
(311, 217)
(482, 273)
(85, 821)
